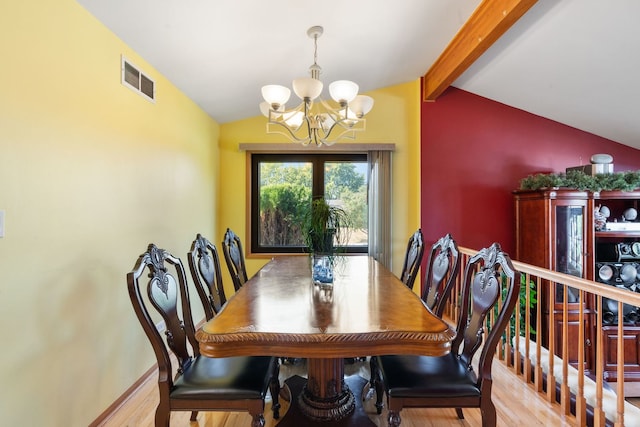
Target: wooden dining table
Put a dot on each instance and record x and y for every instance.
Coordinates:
(367, 311)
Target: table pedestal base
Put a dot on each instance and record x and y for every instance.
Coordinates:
(296, 418)
(326, 409)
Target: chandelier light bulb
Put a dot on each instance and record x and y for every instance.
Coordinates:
(265, 107)
(361, 105)
(293, 119)
(307, 88)
(276, 95)
(348, 117)
(343, 91)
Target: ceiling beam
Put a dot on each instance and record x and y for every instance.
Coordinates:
(488, 22)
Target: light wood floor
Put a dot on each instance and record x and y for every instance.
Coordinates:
(516, 403)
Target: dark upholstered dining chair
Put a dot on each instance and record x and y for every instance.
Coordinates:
(198, 383)
(412, 259)
(451, 381)
(439, 278)
(234, 257)
(204, 264)
(441, 273)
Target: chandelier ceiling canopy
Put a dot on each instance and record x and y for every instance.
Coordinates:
(315, 121)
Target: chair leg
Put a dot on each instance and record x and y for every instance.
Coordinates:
(194, 415)
(373, 369)
(163, 415)
(379, 396)
(393, 419)
(274, 389)
(376, 382)
(488, 411)
(257, 420)
(460, 414)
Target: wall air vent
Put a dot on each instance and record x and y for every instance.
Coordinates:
(135, 79)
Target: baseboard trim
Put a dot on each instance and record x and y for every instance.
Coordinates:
(128, 394)
(124, 398)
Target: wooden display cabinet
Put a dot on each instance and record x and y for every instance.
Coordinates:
(553, 232)
(555, 229)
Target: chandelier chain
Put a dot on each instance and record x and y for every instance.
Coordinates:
(315, 50)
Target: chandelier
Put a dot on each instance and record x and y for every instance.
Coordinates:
(315, 120)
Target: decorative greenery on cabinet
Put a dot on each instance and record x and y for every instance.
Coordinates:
(621, 181)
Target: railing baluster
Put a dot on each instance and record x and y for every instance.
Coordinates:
(620, 367)
(599, 419)
(581, 403)
(551, 379)
(506, 352)
(539, 373)
(516, 352)
(565, 393)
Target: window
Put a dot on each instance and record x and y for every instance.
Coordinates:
(283, 185)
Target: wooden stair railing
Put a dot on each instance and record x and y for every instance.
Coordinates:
(584, 397)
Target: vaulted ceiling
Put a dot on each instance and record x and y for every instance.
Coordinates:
(572, 61)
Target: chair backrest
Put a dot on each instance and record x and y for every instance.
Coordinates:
(204, 264)
(234, 257)
(441, 272)
(489, 284)
(165, 288)
(412, 259)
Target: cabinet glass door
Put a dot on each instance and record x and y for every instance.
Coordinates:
(569, 246)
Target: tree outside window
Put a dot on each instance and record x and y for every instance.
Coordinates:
(283, 186)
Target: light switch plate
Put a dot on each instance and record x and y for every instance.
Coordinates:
(1, 223)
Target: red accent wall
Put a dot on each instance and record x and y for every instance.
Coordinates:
(475, 151)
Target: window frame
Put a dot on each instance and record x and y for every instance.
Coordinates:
(318, 161)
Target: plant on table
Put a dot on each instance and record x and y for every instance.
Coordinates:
(326, 231)
(326, 227)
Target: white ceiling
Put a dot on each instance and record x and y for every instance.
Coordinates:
(572, 61)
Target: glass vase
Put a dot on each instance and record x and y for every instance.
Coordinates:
(322, 269)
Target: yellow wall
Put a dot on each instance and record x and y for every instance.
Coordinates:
(90, 174)
(394, 119)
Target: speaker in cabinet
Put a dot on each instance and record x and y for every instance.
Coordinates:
(628, 250)
(623, 275)
(613, 273)
(610, 310)
(617, 251)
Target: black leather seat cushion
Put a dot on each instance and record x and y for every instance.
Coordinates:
(426, 376)
(224, 378)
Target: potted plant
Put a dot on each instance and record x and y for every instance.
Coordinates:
(324, 226)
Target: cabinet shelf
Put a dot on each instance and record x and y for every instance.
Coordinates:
(618, 234)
